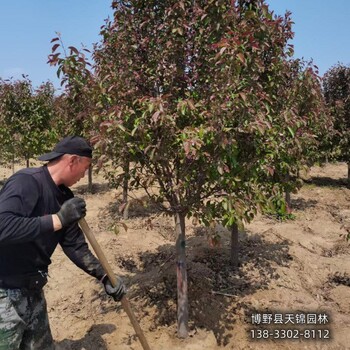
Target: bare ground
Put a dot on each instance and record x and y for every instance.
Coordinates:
(300, 266)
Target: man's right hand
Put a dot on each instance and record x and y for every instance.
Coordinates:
(72, 211)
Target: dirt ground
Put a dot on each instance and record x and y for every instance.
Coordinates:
(289, 268)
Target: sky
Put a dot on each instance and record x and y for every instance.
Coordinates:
(322, 32)
(28, 26)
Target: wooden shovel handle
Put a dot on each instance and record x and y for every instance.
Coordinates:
(125, 302)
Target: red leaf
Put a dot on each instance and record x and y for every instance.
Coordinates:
(270, 170)
(241, 57)
(54, 48)
(73, 49)
(155, 117)
(94, 139)
(53, 59)
(243, 96)
(54, 39)
(187, 147)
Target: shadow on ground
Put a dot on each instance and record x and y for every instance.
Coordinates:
(215, 289)
(324, 181)
(99, 188)
(92, 340)
(303, 204)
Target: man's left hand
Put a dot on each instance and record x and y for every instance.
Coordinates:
(116, 292)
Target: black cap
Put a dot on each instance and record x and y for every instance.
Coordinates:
(69, 145)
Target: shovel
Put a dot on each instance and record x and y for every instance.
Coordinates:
(125, 302)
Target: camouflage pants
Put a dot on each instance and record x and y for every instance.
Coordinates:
(24, 323)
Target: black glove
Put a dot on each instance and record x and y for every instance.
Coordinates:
(72, 211)
(116, 292)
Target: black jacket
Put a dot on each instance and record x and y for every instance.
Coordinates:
(27, 237)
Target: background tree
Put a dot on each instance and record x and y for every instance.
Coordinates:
(302, 125)
(26, 115)
(6, 136)
(336, 88)
(74, 106)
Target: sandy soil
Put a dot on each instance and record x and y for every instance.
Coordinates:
(299, 266)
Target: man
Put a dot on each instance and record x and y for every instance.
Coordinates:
(37, 212)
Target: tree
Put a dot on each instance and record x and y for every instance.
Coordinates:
(336, 88)
(25, 118)
(74, 105)
(191, 91)
(203, 100)
(302, 124)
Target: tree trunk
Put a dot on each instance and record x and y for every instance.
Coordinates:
(234, 246)
(287, 194)
(27, 163)
(349, 173)
(90, 179)
(288, 199)
(181, 270)
(126, 169)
